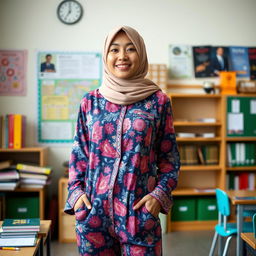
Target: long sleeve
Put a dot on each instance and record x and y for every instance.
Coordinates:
(78, 163)
(168, 160)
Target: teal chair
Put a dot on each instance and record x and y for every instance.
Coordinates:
(223, 228)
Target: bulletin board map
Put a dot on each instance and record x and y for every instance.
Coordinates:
(60, 93)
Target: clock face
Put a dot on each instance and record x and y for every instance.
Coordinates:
(70, 11)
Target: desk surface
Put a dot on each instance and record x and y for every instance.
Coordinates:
(24, 251)
(30, 251)
(249, 239)
(241, 193)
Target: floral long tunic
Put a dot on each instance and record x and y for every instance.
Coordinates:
(120, 154)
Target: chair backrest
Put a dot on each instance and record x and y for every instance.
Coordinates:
(222, 202)
(254, 224)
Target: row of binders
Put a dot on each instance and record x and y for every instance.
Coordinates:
(19, 232)
(191, 154)
(241, 154)
(23, 175)
(12, 131)
(240, 181)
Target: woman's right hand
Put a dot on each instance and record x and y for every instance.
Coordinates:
(82, 200)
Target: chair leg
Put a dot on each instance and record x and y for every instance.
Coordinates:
(213, 244)
(226, 246)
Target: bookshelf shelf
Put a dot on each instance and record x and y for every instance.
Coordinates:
(198, 139)
(189, 123)
(228, 139)
(200, 168)
(191, 192)
(192, 225)
(241, 168)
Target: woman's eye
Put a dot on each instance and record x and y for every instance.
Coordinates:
(132, 49)
(114, 50)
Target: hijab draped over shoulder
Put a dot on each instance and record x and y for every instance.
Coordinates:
(131, 90)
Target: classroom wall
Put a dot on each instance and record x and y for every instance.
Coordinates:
(33, 25)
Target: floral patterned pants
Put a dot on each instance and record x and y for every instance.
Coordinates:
(96, 237)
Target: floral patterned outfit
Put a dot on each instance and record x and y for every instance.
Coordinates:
(120, 154)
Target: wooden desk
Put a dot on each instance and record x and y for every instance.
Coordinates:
(44, 237)
(249, 239)
(241, 206)
(24, 251)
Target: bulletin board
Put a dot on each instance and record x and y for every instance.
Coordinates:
(63, 80)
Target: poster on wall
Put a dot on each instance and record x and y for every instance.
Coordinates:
(63, 79)
(180, 59)
(13, 65)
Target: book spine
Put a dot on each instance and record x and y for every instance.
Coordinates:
(17, 131)
(10, 130)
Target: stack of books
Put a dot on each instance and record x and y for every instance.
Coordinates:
(9, 176)
(32, 176)
(12, 131)
(19, 232)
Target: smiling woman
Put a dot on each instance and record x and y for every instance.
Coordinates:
(124, 162)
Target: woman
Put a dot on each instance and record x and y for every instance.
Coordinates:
(124, 162)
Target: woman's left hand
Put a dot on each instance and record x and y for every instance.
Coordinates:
(151, 204)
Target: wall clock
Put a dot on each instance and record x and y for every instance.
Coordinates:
(70, 11)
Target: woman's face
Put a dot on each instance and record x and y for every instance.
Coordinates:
(122, 57)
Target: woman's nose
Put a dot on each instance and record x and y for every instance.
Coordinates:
(122, 55)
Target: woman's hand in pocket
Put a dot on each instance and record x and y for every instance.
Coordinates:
(151, 204)
(82, 200)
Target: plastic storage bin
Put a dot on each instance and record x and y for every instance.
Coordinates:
(207, 209)
(184, 209)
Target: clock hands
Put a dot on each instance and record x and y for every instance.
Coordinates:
(69, 10)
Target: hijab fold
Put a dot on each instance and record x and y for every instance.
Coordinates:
(134, 89)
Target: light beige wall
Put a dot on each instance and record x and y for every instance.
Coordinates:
(33, 25)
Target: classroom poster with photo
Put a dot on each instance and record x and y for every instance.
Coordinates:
(63, 79)
(13, 67)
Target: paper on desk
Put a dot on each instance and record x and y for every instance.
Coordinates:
(18, 242)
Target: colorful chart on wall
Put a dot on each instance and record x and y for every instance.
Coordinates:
(63, 79)
(13, 64)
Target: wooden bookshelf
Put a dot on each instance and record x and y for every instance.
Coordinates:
(200, 180)
(32, 155)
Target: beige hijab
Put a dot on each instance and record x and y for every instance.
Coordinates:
(134, 89)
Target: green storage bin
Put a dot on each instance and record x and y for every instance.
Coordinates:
(207, 209)
(22, 206)
(184, 209)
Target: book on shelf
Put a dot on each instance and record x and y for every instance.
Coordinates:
(239, 61)
(33, 169)
(204, 154)
(5, 164)
(9, 178)
(22, 225)
(241, 181)
(186, 135)
(12, 131)
(207, 120)
(202, 61)
(207, 135)
(205, 190)
(241, 154)
(252, 62)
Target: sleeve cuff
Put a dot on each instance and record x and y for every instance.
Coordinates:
(73, 197)
(163, 199)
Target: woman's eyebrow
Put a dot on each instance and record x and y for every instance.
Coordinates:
(116, 44)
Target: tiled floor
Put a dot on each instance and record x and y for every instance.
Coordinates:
(189, 243)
